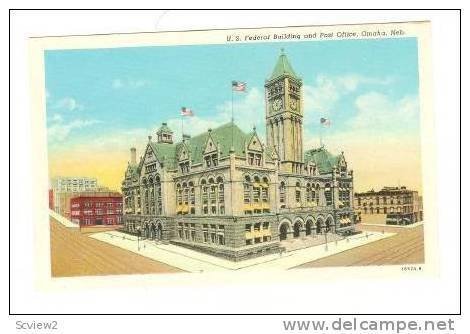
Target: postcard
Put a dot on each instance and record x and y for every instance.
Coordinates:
(291, 149)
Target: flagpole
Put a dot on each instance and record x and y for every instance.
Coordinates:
(321, 131)
(231, 87)
(182, 132)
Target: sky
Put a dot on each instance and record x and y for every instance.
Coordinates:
(100, 102)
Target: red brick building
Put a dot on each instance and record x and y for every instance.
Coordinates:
(51, 199)
(98, 209)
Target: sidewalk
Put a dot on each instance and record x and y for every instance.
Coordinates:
(64, 221)
(397, 226)
(193, 261)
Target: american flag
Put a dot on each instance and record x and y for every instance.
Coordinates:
(325, 121)
(238, 86)
(186, 112)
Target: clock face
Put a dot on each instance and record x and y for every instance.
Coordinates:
(293, 104)
(277, 104)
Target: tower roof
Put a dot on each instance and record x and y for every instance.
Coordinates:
(164, 129)
(283, 67)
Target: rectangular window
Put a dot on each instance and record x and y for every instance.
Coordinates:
(264, 194)
(246, 193)
(249, 242)
(265, 225)
(247, 227)
(328, 196)
(221, 240)
(206, 236)
(297, 196)
(256, 194)
(251, 158)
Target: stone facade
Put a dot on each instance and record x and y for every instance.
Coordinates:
(226, 193)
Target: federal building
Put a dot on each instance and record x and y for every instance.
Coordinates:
(235, 194)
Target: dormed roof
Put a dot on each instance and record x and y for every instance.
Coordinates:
(324, 160)
(168, 154)
(283, 67)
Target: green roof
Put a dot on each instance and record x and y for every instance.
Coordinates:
(283, 67)
(164, 129)
(222, 137)
(324, 160)
(166, 153)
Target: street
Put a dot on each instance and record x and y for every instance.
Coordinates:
(76, 254)
(406, 247)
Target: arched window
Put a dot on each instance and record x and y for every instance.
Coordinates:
(179, 199)
(221, 195)
(204, 197)
(328, 197)
(265, 188)
(158, 195)
(317, 194)
(282, 194)
(212, 196)
(297, 192)
(265, 194)
(256, 190)
(308, 193)
(192, 198)
(247, 190)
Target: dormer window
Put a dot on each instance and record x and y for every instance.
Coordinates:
(184, 167)
(211, 160)
(254, 159)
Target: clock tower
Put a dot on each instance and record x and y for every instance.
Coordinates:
(284, 114)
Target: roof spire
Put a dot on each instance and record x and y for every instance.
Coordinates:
(283, 67)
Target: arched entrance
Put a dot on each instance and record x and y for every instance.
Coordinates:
(152, 231)
(146, 233)
(283, 229)
(297, 228)
(329, 224)
(308, 227)
(159, 232)
(318, 226)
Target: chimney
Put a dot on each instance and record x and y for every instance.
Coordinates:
(133, 155)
